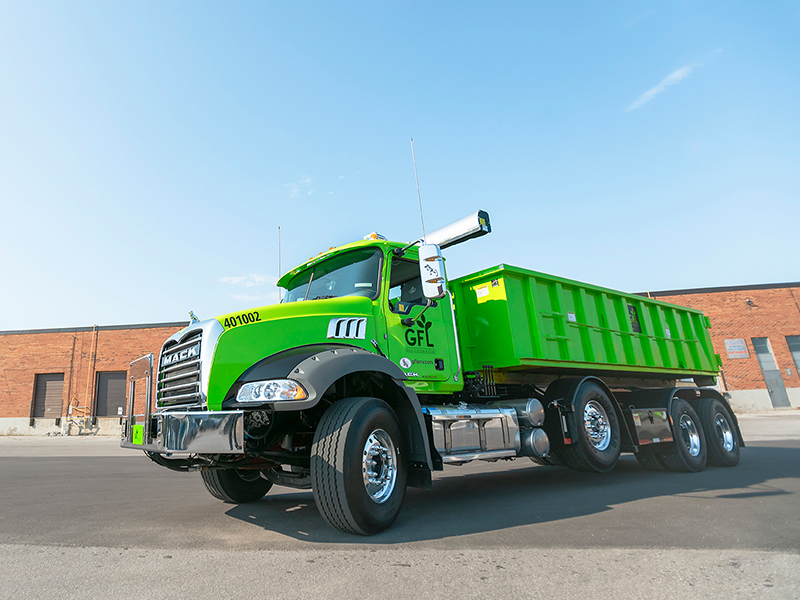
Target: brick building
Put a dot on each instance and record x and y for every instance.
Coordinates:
(756, 331)
(71, 381)
(74, 381)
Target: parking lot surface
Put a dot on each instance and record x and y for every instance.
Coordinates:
(82, 518)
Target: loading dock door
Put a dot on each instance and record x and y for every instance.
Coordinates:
(110, 393)
(772, 374)
(48, 396)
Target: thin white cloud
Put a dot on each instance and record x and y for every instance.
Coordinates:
(249, 280)
(676, 76)
(248, 286)
(341, 176)
(695, 146)
(234, 280)
(633, 22)
(266, 298)
(303, 185)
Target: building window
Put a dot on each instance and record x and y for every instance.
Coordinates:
(793, 341)
(110, 400)
(764, 354)
(48, 396)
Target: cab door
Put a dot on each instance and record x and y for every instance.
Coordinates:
(426, 349)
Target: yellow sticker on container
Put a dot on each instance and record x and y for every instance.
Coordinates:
(138, 434)
(494, 290)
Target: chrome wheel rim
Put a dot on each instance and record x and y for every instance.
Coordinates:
(595, 422)
(691, 438)
(724, 432)
(379, 466)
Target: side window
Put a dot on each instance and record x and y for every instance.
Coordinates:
(793, 341)
(405, 286)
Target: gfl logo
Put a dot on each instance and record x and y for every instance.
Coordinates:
(419, 334)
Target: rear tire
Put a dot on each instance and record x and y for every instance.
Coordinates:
(229, 485)
(690, 453)
(721, 437)
(358, 469)
(596, 432)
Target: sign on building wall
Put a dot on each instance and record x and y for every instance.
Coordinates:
(737, 348)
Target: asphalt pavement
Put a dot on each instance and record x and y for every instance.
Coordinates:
(82, 518)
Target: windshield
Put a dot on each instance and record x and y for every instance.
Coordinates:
(355, 273)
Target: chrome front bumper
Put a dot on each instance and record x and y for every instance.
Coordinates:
(186, 432)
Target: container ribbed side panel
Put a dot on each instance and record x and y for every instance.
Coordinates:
(514, 318)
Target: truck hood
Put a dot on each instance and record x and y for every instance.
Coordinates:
(252, 335)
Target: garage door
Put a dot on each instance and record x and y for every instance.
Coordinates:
(110, 393)
(48, 396)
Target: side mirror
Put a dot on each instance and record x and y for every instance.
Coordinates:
(431, 270)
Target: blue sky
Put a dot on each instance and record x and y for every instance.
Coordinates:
(150, 150)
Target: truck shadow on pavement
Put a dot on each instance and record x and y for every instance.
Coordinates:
(475, 499)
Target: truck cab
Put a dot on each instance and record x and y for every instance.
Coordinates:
(401, 324)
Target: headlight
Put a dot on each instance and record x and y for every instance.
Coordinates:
(274, 390)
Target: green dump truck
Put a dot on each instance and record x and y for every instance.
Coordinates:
(375, 371)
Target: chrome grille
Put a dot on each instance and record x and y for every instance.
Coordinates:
(179, 371)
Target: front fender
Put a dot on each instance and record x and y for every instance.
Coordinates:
(317, 367)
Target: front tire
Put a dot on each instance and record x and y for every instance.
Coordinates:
(235, 487)
(547, 461)
(358, 470)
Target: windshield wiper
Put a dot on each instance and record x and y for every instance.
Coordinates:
(323, 297)
(308, 289)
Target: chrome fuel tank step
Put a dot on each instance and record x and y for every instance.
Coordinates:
(466, 432)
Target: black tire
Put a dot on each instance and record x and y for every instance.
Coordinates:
(721, 437)
(651, 462)
(548, 461)
(690, 453)
(596, 436)
(234, 486)
(349, 432)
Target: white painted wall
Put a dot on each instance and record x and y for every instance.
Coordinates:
(47, 427)
(755, 401)
(794, 397)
